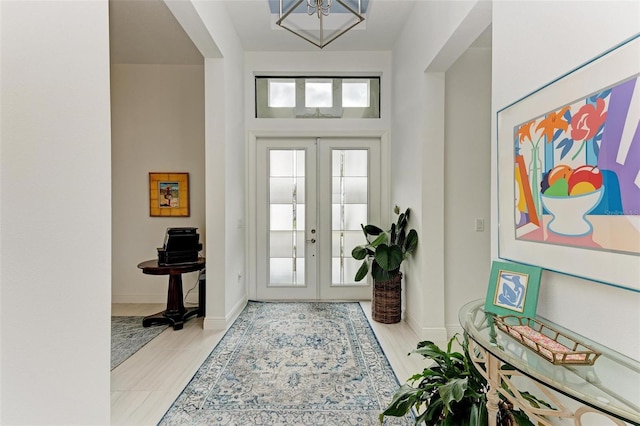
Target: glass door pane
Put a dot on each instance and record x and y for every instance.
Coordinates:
(286, 261)
(349, 209)
(349, 187)
(286, 217)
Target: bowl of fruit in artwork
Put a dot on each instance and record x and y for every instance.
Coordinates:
(569, 195)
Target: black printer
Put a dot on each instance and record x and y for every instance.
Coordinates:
(181, 245)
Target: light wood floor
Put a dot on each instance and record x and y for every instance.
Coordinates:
(145, 385)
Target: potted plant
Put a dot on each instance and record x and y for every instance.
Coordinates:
(383, 254)
(452, 392)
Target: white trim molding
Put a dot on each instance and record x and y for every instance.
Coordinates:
(219, 323)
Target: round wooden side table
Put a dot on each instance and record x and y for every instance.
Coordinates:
(175, 314)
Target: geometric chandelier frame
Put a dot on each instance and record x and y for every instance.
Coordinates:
(318, 25)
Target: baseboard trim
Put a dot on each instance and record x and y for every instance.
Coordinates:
(413, 324)
(214, 323)
(219, 323)
(453, 329)
(434, 334)
(236, 310)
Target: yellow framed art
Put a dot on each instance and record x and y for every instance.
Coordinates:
(169, 194)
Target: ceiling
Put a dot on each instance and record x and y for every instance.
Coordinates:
(146, 32)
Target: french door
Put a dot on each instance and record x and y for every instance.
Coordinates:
(312, 196)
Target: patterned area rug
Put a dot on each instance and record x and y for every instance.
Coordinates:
(128, 336)
(291, 364)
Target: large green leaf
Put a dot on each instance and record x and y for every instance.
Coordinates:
(452, 391)
(479, 415)
(388, 257)
(402, 221)
(381, 239)
(430, 375)
(359, 252)
(401, 237)
(411, 243)
(362, 271)
(372, 230)
(430, 350)
(380, 274)
(402, 401)
(433, 413)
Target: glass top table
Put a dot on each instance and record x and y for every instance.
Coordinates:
(611, 385)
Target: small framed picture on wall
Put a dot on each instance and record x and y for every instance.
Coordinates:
(169, 194)
(513, 289)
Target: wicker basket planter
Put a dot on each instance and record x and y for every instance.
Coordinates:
(386, 306)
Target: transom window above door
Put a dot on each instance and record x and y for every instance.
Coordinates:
(317, 97)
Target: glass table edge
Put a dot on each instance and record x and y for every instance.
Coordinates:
(626, 415)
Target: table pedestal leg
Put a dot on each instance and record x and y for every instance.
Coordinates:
(493, 398)
(175, 314)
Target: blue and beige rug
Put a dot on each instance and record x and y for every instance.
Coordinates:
(291, 364)
(128, 336)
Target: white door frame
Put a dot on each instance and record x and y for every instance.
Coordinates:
(327, 290)
(309, 290)
(251, 187)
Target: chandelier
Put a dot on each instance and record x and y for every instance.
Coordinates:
(320, 25)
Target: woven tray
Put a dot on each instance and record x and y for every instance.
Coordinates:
(552, 345)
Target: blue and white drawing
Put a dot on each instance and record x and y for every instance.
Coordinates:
(511, 290)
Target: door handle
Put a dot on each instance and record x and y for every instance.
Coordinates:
(312, 240)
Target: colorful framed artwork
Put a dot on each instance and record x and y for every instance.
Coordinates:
(569, 172)
(169, 194)
(513, 289)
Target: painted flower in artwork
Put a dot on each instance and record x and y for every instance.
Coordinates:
(586, 126)
(553, 124)
(588, 120)
(571, 128)
(551, 127)
(524, 132)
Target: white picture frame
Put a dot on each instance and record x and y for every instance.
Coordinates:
(615, 265)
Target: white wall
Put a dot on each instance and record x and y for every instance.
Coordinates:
(210, 27)
(157, 125)
(55, 234)
(428, 46)
(467, 180)
(522, 63)
(436, 34)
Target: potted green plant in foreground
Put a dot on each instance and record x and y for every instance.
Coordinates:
(385, 251)
(451, 392)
